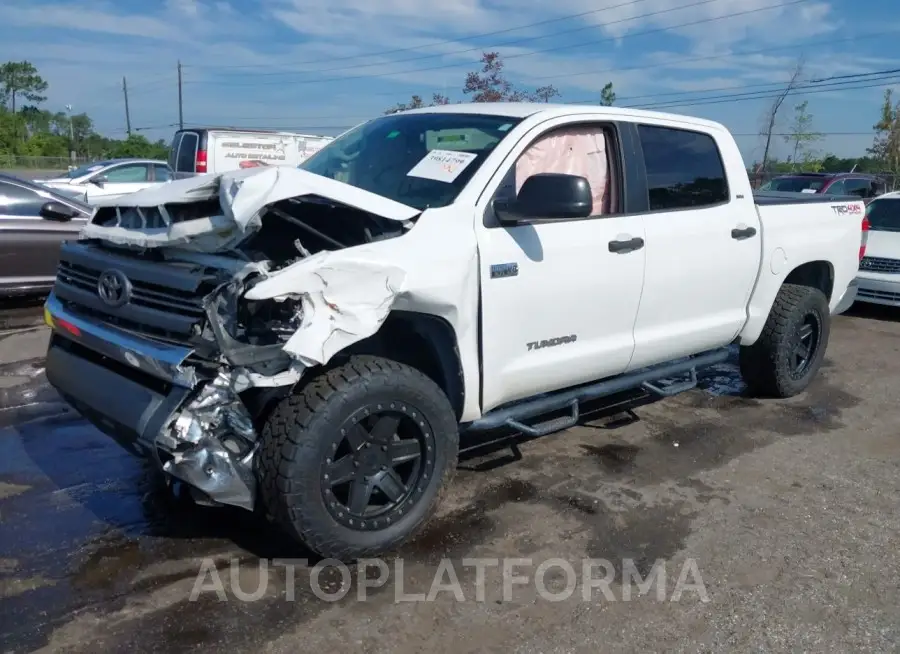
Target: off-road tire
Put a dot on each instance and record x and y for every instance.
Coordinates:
(766, 365)
(296, 442)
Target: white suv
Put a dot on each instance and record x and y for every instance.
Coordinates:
(879, 271)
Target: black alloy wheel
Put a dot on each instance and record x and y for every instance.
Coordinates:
(382, 458)
(806, 343)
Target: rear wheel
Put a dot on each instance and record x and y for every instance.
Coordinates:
(789, 352)
(354, 464)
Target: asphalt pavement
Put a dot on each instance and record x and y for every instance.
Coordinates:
(775, 524)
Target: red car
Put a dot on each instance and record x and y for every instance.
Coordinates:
(865, 186)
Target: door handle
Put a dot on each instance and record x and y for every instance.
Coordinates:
(740, 234)
(628, 245)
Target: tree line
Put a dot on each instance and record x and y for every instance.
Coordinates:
(29, 129)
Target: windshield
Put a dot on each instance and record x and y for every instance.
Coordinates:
(420, 160)
(794, 184)
(884, 215)
(86, 169)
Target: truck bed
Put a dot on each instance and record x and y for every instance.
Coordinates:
(766, 198)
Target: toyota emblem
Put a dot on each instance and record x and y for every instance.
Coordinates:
(113, 288)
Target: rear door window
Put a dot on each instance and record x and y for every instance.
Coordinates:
(684, 168)
(187, 152)
(130, 174)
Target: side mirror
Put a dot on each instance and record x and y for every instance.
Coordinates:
(548, 196)
(97, 181)
(57, 211)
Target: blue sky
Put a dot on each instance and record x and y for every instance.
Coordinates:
(319, 66)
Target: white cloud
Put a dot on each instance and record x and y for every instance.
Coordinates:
(283, 60)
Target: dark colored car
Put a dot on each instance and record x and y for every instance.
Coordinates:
(34, 221)
(859, 184)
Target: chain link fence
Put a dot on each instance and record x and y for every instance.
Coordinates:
(38, 167)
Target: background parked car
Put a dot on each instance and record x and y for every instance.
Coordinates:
(110, 178)
(34, 221)
(858, 184)
(879, 270)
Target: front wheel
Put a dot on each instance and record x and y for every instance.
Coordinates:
(789, 352)
(353, 464)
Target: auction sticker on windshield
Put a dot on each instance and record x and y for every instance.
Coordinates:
(442, 165)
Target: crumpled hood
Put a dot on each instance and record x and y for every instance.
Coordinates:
(243, 196)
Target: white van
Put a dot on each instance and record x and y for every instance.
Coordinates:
(217, 150)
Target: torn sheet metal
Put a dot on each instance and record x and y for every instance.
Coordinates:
(345, 298)
(243, 196)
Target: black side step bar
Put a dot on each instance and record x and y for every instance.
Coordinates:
(514, 416)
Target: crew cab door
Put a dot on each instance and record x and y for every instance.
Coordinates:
(558, 297)
(703, 244)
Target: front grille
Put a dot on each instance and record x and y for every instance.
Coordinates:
(880, 265)
(151, 296)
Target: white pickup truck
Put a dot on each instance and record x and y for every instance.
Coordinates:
(311, 342)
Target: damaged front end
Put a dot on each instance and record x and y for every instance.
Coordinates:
(242, 300)
(212, 442)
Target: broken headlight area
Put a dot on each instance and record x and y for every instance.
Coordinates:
(212, 441)
(250, 335)
(267, 322)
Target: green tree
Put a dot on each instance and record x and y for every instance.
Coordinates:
(801, 137)
(20, 79)
(491, 85)
(886, 147)
(607, 95)
(416, 101)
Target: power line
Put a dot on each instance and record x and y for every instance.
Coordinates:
(514, 56)
(685, 60)
(739, 53)
(436, 43)
(528, 39)
(853, 78)
(770, 95)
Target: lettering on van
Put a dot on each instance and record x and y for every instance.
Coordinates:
(256, 156)
(551, 342)
(253, 146)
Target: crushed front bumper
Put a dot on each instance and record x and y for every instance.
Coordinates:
(146, 396)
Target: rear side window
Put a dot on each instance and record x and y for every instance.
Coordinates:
(684, 169)
(18, 201)
(161, 173)
(860, 187)
(173, 150)
(187, 153)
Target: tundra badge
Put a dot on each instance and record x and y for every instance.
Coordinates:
(504, 270)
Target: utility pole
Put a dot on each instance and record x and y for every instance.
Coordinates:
(71, 134)
(127, 113)
(180, 105)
